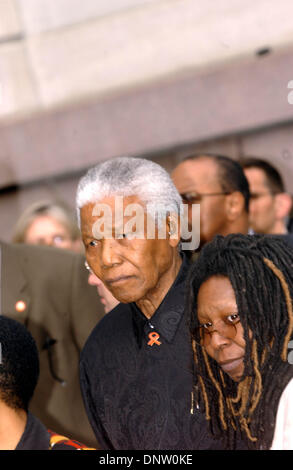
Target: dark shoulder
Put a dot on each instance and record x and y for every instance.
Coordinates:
(45, 264)
(31, 255)
(53, 270)
(288, 239)
(116, 320)
(116, 324)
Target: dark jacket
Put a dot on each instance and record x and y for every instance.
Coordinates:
(60, 309)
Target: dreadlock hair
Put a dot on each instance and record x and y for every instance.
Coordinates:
(260, 271)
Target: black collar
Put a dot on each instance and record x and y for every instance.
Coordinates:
(168, 315)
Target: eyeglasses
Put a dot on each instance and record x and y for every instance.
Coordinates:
(260, 194)
(87, 266)
(226, 327)
(193, 197)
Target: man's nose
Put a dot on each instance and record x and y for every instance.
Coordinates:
(110, 252)
(93, 280)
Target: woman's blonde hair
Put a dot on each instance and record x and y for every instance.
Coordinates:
(57, 210)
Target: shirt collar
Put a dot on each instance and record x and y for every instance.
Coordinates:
(168, 315)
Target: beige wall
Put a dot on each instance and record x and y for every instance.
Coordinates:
(193, 107)
(274, 144)
(69, 50)
(81, 82)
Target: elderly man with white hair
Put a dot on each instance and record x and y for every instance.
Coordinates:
(135, 369)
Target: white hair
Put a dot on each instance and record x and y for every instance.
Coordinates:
(130, 176)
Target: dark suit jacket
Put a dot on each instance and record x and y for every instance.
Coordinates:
(60, 311)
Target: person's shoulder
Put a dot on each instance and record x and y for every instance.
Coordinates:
(114, 322)
(288, 239)
(285, 238)
(51, 254)
(32, 254)
(283, 434)
(288, 391)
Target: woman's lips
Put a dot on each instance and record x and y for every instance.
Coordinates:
(231, 365)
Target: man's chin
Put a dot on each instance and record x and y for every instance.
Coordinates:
(127, 292)
(126, 299)
(124, 296)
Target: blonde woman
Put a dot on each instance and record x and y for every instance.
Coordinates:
(48, 223)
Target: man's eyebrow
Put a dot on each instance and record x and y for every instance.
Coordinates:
(87, 232)
(190, 188)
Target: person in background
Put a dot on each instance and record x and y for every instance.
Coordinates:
(107, 299)
(239, 302)
(46, 289)
(48, 223)
(53, 224)
(218, 184)
(270, 204)
(290, 221)
(19, 372)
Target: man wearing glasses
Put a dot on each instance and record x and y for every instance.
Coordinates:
(219, 185)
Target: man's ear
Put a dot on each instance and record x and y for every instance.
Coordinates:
(173, 229)
(283, 205)
(235, 204)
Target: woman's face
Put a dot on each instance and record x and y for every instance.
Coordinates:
(220, 328)
(45, 230)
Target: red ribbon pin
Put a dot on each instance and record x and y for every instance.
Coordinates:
(153, 336)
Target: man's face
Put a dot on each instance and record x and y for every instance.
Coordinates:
(262, 205)
(132, 269)
(45, 230)
(201, 176)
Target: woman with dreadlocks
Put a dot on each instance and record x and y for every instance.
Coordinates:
(239, 302)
